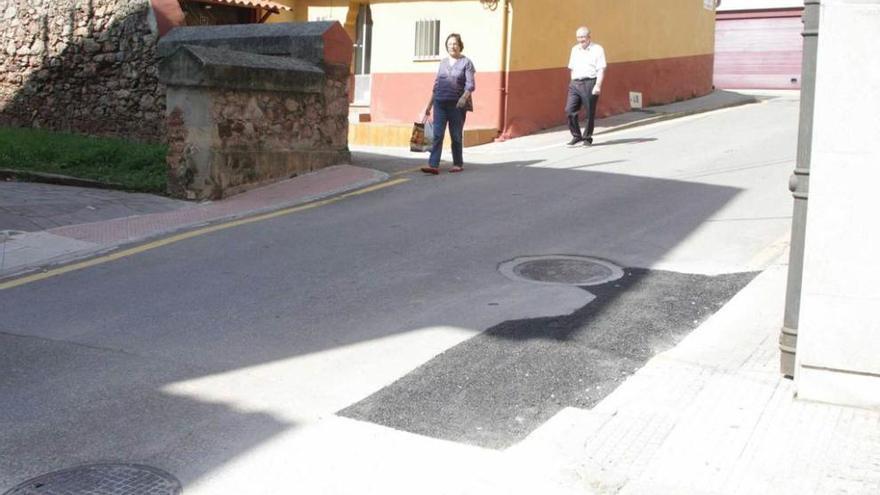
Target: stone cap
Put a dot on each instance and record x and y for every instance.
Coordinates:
(222, 68)
(321, 42)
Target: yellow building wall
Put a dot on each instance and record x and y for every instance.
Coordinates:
(298, 14)
(312, 10)
(401, 85)
(663, 49)
(394, 29)
(628, 30)
(394, 33)
(540, 37)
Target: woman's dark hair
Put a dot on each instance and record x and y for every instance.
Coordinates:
(457, 38)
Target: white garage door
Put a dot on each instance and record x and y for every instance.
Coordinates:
(758, 52)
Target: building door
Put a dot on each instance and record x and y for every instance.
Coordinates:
(362, 53)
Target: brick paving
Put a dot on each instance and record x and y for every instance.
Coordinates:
(55, 224)
(30, 207)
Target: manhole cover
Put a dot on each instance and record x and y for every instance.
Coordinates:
(101, 479)
(561, 270)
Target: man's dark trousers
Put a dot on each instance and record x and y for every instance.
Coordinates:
(580, 94)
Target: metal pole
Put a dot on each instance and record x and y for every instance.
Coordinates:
(799, 184)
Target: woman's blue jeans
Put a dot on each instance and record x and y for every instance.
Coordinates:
(445, 111)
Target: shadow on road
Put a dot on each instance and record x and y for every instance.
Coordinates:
(89, 359)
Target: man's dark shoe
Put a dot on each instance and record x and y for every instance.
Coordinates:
(588, 141)
(574, 141)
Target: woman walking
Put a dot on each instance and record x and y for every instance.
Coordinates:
(451, 100)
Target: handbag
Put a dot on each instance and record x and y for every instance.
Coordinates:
(422, 137)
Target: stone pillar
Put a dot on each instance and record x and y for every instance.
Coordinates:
(252, 104)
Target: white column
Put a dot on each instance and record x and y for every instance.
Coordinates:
(838, 355)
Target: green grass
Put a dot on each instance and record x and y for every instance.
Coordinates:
(134, 166)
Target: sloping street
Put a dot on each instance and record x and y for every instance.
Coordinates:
(373, 342)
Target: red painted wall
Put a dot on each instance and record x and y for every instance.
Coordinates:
(400, 98)
(168, 14)
(537, 97)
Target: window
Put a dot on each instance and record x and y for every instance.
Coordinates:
(363, 43)
(427, 46)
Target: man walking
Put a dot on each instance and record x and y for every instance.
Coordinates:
(587, 64)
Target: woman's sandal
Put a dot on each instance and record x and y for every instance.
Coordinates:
(430, 170)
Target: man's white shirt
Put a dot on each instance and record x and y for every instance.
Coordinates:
(586, 62)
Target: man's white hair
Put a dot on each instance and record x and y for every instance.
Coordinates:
(583, 29)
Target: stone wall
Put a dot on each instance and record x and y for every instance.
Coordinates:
(253, 137)
(86, 66)
(252, 104)
(275, 120)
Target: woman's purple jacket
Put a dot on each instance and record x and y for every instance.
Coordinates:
(454, 77)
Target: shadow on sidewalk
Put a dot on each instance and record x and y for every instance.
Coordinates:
(624, 141)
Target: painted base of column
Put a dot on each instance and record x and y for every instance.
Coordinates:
(841, 387)
(787, 350)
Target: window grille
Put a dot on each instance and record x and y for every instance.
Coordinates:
(427, 42)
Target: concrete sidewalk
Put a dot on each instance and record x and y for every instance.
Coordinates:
(716, 100)
(713, 415)
(558, 136)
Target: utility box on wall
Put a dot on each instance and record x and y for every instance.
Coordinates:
(635, 99)
(252, 104)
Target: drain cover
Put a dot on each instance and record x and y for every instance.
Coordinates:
(561, 270)
(101, 479)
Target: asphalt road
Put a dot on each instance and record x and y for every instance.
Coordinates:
(389, 308)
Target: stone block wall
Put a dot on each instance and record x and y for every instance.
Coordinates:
(85, 66)
(252, 104)
(224, 141)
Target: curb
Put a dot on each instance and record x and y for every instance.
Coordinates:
(60, 180)
(660, 117)
(46, 264)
